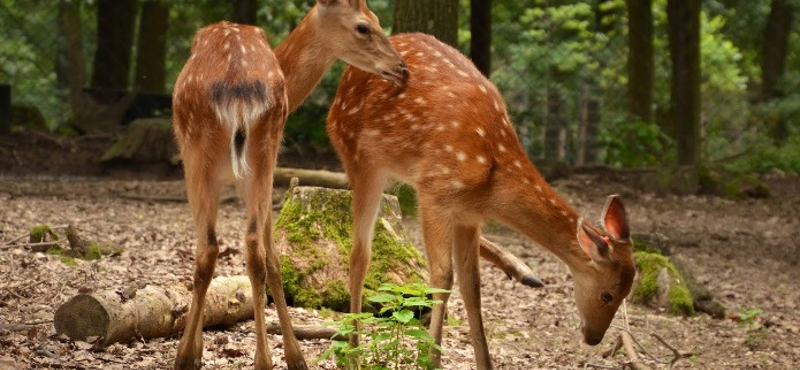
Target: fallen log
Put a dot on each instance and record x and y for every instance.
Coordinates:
(122, 316)
(321, 178)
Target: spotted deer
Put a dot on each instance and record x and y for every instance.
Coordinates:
(231, 101)
(446, 133)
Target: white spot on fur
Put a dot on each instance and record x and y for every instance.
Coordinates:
(461, 156)
(448, 148)
(552, 201)
(501, 148)
(538, 187)
(480, 132)
(483, 89)
(458, 184)
(481, 159)
(517, 164)
(419, 100)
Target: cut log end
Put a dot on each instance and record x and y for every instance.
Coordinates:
(82, 317)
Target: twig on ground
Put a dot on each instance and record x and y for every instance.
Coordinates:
(599, 366)
(28, 245)
(613, 350)
(678, 354)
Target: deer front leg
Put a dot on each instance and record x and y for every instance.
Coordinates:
(438, 241)
(466, 241)
(367, 192)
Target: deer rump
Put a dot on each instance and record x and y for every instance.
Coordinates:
(238, 106)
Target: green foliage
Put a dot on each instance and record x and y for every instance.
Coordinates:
(747, 316)
(395, 339)
(764, 156)
(635, 144)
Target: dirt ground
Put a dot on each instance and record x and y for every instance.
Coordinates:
(746, 252)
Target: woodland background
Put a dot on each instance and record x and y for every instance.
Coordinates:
(624, 83)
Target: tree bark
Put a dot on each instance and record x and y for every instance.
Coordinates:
(480, 44)
(72, 63)
(115, 27)
(773, 62)
(126, 315)
(684, 44)
(640, 59)
(151, 68)
(438, 18)
(244, 11)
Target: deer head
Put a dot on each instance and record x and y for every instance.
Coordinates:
(605, 276)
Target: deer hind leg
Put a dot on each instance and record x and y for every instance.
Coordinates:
(202, 187)
(263, 266)
(466, 245)
(437, 234)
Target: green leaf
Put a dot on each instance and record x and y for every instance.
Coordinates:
(417, 333)
(382, 298)
(403, 316)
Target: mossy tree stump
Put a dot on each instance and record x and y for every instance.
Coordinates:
(659, 284)
(313, 233)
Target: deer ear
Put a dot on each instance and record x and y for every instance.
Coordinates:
(592, 243)
(615, 220)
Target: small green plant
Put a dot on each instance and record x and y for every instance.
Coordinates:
(394, 339)
(748, 316)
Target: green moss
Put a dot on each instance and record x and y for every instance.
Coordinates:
(93, 252)
(69, 261)
(640, 246)
(326, 215)
(650, 264)
(38, 234)
(336, 296)
(407, 198)
(680, 301)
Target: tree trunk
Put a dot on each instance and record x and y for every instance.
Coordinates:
(773, 63)
(438, 18)
(151, 68)
(125, 315)
(640, 59)
(244, 11)
(480, 44)
(72, 64)
(115, 27)
(684, 45)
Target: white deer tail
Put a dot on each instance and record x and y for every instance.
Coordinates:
(238, 106)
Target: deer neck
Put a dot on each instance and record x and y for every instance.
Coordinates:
(304, 59)
(533, 208)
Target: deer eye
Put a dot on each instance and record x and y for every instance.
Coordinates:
(362, 28)
(606, 297)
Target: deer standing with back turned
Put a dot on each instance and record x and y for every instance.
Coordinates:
(230, 105)
(446, 132)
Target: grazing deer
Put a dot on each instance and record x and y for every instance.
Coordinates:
(230, 106)
(446, 132)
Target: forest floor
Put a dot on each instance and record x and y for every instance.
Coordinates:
(745, 251)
